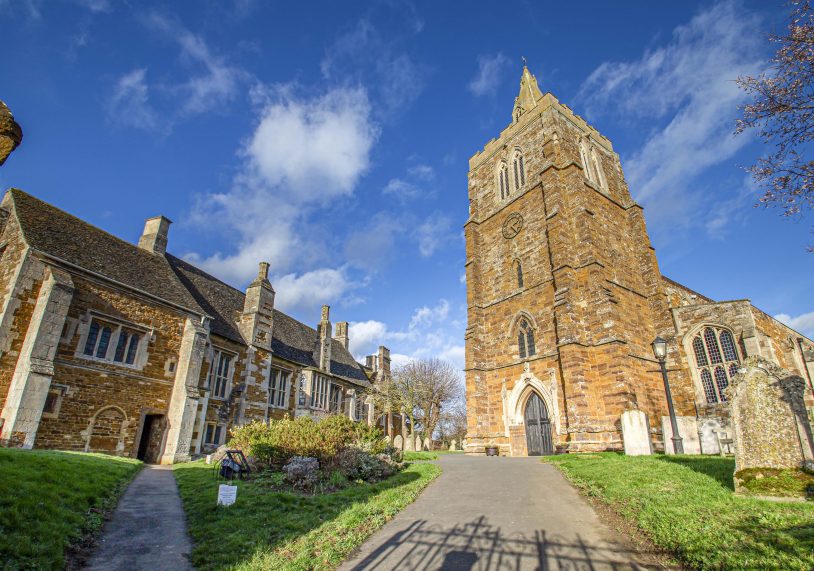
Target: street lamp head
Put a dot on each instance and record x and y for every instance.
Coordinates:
(659, 348)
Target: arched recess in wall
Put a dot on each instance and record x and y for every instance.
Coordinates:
(107, 430)
(598, 170)
(503, 180)
(714, 356)
(584, 159)
(518, 169)
(517, 273)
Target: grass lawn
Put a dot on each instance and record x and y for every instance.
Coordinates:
(266, 529)
(686, 505)
(427, 455)
(50, 500)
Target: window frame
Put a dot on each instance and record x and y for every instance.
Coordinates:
(282, 395)
(711, 361)
(320, 389)
(217, 377)
(526, 344)
(59, 392)
(117, 327)
(518, 170)
(218, 433)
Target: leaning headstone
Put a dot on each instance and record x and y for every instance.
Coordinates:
(452, 446)
(708, 433)
(769, 420)
(687, 429)
(635, 433)
(398, 442)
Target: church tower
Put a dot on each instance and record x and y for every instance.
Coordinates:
(564, 293)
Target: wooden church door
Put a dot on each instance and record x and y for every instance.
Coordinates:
(538, 427)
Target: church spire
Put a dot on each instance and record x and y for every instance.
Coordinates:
(529, 94)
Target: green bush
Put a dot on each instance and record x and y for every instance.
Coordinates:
(272, 445)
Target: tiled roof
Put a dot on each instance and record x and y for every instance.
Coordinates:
(56, 233)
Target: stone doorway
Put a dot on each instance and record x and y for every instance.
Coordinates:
(152, 436)
(538, 427)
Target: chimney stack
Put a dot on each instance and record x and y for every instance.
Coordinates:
(324, 333)
(342, 334)
(383, 359)
(370, 362)
(257, 321)
(154, 237)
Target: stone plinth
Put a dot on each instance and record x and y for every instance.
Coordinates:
(770, 424)
(636, 433)
(687, 429)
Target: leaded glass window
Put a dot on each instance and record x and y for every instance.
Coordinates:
(220, 374)
(717, 361)
(111, 342)
(525, 340)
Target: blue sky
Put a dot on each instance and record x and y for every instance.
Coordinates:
(332, 139)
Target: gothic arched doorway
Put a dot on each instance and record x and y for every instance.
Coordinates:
(538, 427)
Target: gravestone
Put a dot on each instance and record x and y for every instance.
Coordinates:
(687, 429)
(427, 443)
(707, 434)
(452, 446)
(398, 442)
(409, 443)
(769, 420)
(636, 433)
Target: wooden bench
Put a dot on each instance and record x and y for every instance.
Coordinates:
(723, 440)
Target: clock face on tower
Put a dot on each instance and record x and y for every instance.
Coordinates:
(512, 226)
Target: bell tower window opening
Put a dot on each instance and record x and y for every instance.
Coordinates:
(525, 339)
(716, 360)
(519, 268)
(519, 170)
(503, 180)
(600, 174)
(586, 165)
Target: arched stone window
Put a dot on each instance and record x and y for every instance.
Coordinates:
(525, 339)
(519, 170)
(503, 179)
(586, 165)
(519, 269)
(716, 359)
(597, 165)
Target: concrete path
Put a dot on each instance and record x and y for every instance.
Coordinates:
(496, 513)
(148, 529)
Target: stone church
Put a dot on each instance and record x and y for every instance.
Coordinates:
(565, 297)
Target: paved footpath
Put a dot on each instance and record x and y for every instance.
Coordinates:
(496, 514)
(148, 529)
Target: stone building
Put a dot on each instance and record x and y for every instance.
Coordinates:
(565, 296)
(107, 346)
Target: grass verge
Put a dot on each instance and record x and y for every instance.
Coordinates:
(268, 529)
(686, 506)
(52, 501)
(418, 456)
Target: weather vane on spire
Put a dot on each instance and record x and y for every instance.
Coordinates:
(525, 63)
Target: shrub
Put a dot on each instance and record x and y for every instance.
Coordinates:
(272, 445)
(358, 464)
(302, 472)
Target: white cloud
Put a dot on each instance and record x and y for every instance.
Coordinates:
(689, 83)
(130, 105)
(95, 5)
(804, 323)
(303, 152)
(401, 189)
(367, 55)
(314, 149)
(432, 233)
(217, 83)
(489, 75)
(422, 172)
(429, 333)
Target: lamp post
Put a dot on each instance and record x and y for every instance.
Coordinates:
(660, 351)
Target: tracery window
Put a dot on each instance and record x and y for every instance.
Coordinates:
(519, 171)
(600, 174)
(503, 180)
(716, 358)
(525, 339)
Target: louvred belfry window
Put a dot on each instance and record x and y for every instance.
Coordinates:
(716, 359)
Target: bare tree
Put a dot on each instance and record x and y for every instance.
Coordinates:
(453, 423)
(425, 387)
(783, 112)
